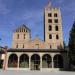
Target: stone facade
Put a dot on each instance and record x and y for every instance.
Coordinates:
(52, 31)
(40, 53)
(43, 55)
(21, 37)
(53, 27)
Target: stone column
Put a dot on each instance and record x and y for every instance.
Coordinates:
(29, 63)
(18, 62)
(40, 62)
(52, 63)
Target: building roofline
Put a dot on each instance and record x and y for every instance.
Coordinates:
(38, 39)
(23, 25)
(35, 50)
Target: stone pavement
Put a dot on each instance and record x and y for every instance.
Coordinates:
(18, 72)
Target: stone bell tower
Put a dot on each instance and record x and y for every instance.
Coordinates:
(20, 37)
(53, 27)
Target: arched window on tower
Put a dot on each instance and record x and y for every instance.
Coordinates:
(50, 36)
(50, 27)
(49, 15)
(56, 20)
(49, 20)
(57, 37)
(24, 36)
(55, 15)
(24, 30)
(17, 46)
(56, 28)
(17, 36)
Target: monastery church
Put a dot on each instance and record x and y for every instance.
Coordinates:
(42, 55)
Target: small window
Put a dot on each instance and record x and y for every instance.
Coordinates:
(50, 46)
(50, 36)
(56, 28)
(49, 15)
(24, 30)
(55, 15)
(23, 45)
(50, 27)
(49, 20)
(57, 37)
(37, 46)
(17, 36)
(17, 46)
(56, 20)
(24, 36)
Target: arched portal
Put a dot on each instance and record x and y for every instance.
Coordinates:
(24, 61)
(35, 62)
(13, 61)
(58, 61)
(46, 61)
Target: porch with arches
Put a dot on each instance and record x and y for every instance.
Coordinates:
(35, 61)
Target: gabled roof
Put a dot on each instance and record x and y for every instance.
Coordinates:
(37, 39)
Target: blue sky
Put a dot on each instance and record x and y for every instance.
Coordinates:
(14, 13)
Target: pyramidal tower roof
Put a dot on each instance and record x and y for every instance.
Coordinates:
(22, 27)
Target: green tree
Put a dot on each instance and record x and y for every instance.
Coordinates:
(72, 38)
(64, 44)
(72, 45)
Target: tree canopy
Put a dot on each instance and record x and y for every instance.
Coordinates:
(72, 38)
(72, 45)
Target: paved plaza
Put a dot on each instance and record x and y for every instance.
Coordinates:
(19, 72)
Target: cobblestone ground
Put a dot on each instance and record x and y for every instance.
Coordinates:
(11, 72)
